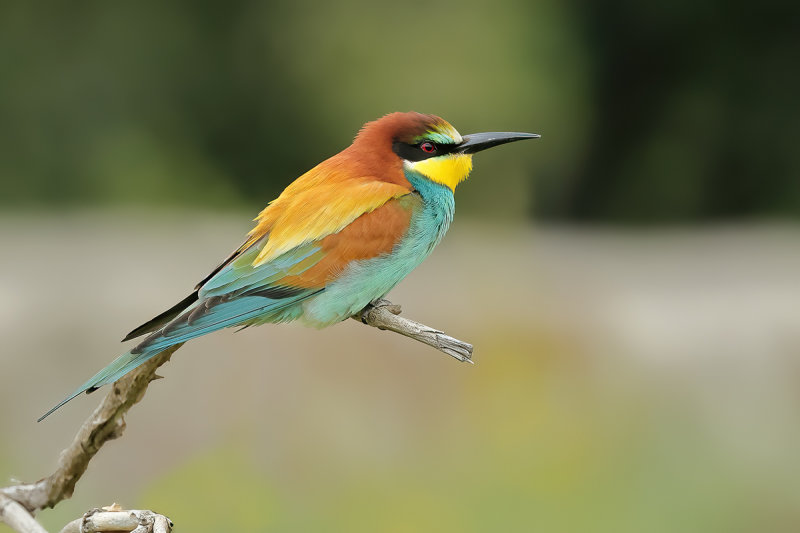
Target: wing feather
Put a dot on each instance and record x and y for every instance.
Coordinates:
(344, 221)
(319, 203)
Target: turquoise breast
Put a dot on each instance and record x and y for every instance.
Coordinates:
(364, 281)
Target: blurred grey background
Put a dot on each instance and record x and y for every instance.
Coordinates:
(630, 280)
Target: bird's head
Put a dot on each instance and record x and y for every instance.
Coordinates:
(429, 145)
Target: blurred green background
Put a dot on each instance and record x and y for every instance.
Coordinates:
(630, 280)
(671, 112)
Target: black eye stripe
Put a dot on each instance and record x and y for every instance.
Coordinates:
(413, 152)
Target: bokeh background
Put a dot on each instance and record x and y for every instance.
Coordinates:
(630, 281)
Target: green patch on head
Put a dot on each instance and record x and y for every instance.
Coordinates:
(441, 133)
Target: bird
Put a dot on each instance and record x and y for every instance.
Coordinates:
(337, 238)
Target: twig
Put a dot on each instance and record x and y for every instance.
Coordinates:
(19, 502)
(383, 314)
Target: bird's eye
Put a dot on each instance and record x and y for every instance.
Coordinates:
(428, 147)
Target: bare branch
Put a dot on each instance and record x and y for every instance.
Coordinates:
(18, 502)
(105, 423)
(383, 314)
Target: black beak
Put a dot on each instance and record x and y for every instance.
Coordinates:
(475, 142)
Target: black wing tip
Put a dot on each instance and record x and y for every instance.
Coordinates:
(155, 323)
(138, 332)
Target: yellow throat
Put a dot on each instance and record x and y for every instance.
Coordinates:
(449, 170)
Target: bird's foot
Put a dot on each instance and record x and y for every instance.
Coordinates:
(395, 309)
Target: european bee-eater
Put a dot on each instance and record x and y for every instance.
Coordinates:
(340, 236)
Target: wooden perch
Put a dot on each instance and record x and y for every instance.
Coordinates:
(18, 503)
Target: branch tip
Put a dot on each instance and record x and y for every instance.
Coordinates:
(383, 314)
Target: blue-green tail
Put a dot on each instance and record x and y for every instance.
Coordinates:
(111, 373)
(201, 317)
